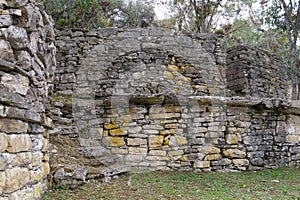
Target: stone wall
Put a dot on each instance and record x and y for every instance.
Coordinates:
(257, 73)
(144, 98)
(163, 100)
(26, 69)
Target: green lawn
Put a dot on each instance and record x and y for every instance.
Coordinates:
(282, 183)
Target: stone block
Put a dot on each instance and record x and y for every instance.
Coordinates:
(155, 141)
(168, 132)
(37, 190)
(157, 158)
(153, 127)
(16, 83)
(165, 116)
(135, 130)
(157, 163)
(46, 168)
(209, 150)
(201, 164)
(176, 141)
(37, 158)
(2, 181)
(111, 126)
(3, 142)
(172, 109)
(150, 132)
(137, 150)
(113, 141)
(156, 109)
(234, 153)
(118, 132)
(216, 128)
(19, 143)
(292, 139)
(37, 175)
(22, 159)
(16, 178)
(117, 150)
(13, 126)
(158, 153)
(213, 157)
(231, 138)
(136, 142)
(24, 193)
(175, 155)
(240, 162)
(222, 162)
(17, 37)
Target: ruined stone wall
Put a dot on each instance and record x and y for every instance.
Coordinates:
(160, 100)
(256, 73)
(27, 63)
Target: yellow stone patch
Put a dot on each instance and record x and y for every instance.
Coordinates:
(113, 141)
(110, 126)
(169, 75)
(156, 140)
(168, 132)
(117, 132)
(173, 67)
(184, 159)
(105, 133)
(213, 157)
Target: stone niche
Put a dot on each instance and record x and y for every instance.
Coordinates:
(27, 64)
(156, 99)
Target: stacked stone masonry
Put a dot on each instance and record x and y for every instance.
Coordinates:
(143, 98)
(27, 61)
(167, 101)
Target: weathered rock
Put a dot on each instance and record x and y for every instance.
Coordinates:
(18, 143)
(70, 176)
(15, 179)
(3, 143)
(17, 37)
(234, 153)
(13, 126)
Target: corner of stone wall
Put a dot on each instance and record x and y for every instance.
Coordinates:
(27, 64)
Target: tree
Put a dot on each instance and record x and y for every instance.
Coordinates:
(96, 13)
(285, 15)
(196, 16)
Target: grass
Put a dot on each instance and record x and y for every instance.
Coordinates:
(282, 183)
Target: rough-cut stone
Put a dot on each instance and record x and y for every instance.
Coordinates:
(209, 150)
(231, 139)
(201, 164)
(13, 126)
(6, 51)
(18, 143)
(3, 143)
(155, 141)
(234, 153)
(136, 142)
(15, 179)
(113, 141)
(240, 162)
(70, 176)
(2, 181)
(17, 37)
(293, 138)
(5, 20)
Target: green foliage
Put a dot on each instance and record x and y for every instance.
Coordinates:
(88, 14)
